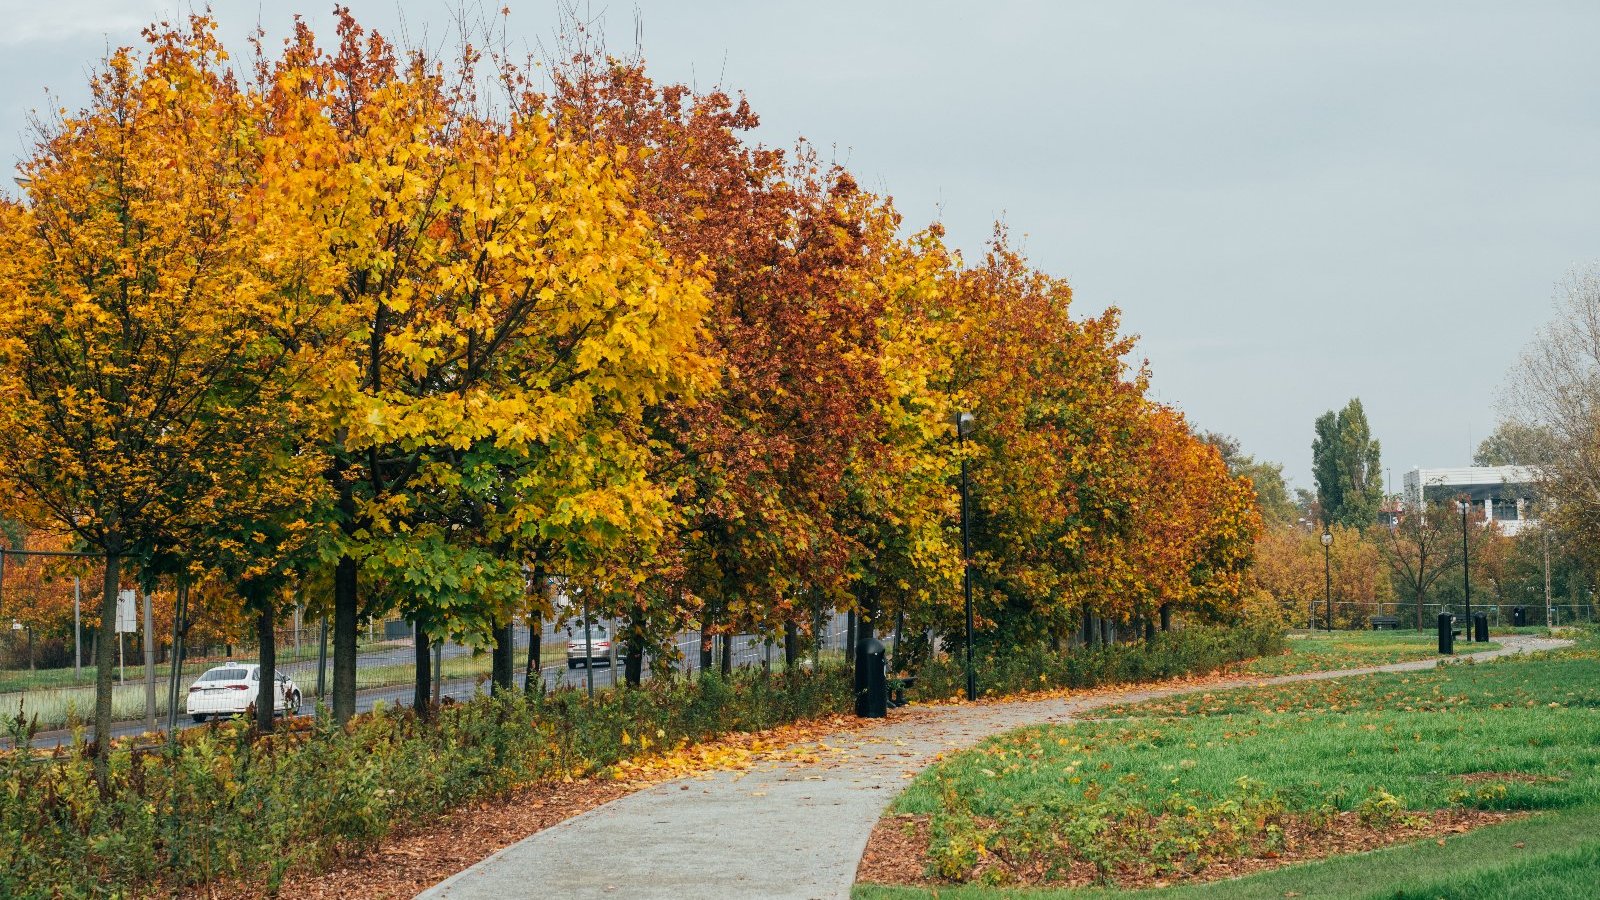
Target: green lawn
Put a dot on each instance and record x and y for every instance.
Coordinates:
(1320, 651)
(1164, 789)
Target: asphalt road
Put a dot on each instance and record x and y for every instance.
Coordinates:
(748, 650)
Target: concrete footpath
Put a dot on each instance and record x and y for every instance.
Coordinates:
(785, 829)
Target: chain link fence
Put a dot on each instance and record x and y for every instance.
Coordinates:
(1347, 615)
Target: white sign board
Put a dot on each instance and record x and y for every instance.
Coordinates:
(127, 613)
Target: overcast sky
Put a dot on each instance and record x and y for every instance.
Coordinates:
(1292, 203)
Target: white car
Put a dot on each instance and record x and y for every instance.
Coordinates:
(229, 689)
(599, 645)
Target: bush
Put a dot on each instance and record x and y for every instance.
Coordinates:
(1035, 666)
(226, 803)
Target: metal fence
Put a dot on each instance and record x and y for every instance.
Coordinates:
(1313, 614)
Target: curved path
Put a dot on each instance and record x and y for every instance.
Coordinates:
(787, 830)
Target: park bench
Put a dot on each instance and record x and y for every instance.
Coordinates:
(1385, 623)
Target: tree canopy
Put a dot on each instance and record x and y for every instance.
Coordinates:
(1346, 466)
(359, 320)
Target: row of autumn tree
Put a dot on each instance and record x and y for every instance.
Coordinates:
(352, 324)
(1414, 570)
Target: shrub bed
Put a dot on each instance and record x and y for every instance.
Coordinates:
(226, 804)
(1036, 666)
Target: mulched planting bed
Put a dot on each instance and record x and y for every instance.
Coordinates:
(897, 852)
(410, 863)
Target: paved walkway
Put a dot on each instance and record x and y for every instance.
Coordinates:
(783, 830)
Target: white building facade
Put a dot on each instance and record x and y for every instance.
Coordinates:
(1505, 493)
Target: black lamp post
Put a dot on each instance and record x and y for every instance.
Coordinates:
(1327, 574)
(1466, 576)
(964, 425)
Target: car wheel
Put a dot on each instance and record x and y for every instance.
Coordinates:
(199, 717)
(294, 705)
(572, 664)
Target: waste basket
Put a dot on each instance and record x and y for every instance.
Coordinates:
(872, 679)
(1447, 634)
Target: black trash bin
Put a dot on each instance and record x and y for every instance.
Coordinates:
(872, 679)
(1480, 627)
(1519, 616)
(1447, 634)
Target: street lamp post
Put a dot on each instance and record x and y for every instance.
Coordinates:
(1327, 574)
(1466, 575)
(964, 426)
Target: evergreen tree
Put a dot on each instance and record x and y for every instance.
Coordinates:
(1345, 464)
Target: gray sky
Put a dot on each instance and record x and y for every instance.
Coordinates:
(1292, 203)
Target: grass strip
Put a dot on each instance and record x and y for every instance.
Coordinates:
(1165, 789)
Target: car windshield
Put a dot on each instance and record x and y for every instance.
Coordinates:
(224, 675)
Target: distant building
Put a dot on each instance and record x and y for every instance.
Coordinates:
(1504, 492)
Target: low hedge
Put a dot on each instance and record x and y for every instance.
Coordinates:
(225, 803)
(1035, 666)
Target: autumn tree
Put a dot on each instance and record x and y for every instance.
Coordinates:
(141, 348)
(1290, 564)
(510, 318)
(1272, 492)
(1515, 444)
(1422, 546)
(899, 502)
(38, 591)
(759, 463)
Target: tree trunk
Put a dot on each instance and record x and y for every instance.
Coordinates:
(530, 680)
(705, 639)
(899, 632)
(345, 628)
(267, 687)
(438, 672)
(1149, 632)
(791, 646)
(633, 662)
(104, 637)
(422, 685)
(1166, 617)
(1420, 598)
(727, 655)
(850, 637)
(505, 650)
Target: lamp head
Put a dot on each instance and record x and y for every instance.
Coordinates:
(965, 423)
(1327, 539)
